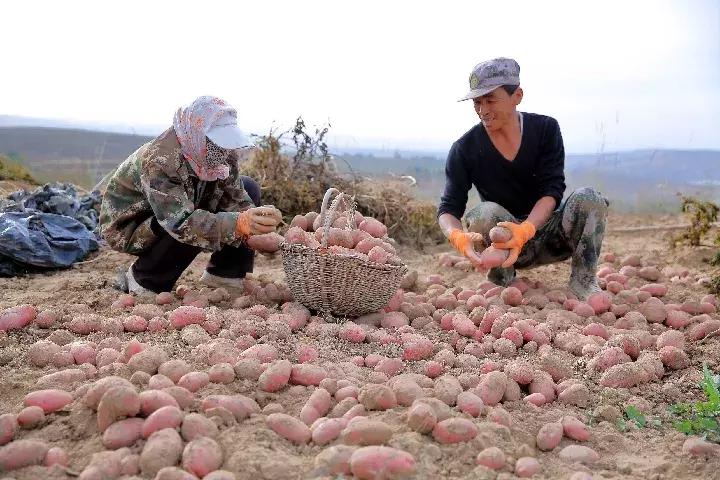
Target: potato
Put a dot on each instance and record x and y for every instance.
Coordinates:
(700, 448)
(493, 257)
(381, 463)
(543, 383)
(116, 403)
(289, 428)
(351, 332)
(373, 227)
(389, 366)
(15, 318)
(301, 222)
(446, 389)
(500, 235)
(526, 467)
(492, 458)
(470, 404)
(698, 332)
(655, 289)
(194, 381)
(22, 453)
(99, 388)
(377, 397)
(50, 400)
(549, 436)
(267, 242)
(135, 324)
(275, 377)
(163, 449)
(168, 416)
(579, 454)
(263, 352)
(202, 456)
(8, 427)
(30, 417)
(673, 357)
(537, 399)
(335, 460)
(366, 432)
(152, 400)
(235, 404)
(186, 315)
(575, 429)
(148, 360)
(378, 255)
(511, 296)
(221, 373)
(492, 387)
(56, 456)
(123, 433)
(454, 430)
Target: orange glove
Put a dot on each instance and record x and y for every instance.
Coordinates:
(257, 221)
(463, 243)
(521, 233)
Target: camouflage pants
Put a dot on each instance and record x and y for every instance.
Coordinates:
(575, 230)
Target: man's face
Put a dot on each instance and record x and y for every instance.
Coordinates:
(497, 109)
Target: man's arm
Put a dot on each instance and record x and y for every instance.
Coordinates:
(542, 211)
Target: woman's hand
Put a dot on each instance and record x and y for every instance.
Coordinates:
(258, 221)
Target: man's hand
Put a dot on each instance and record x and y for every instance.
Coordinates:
(463, 243)
(521, 233)
(257, 221)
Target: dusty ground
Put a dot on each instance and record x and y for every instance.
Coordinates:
(253, 451)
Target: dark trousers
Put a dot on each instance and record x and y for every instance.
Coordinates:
(159, 267)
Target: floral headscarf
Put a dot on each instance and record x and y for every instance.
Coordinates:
(191, 126)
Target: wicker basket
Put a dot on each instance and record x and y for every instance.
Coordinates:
(333, 284)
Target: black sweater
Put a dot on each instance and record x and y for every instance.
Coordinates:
(537, 170)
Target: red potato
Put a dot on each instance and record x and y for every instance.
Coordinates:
(194, 381)
(549, 436)
(543, 383)
(56, 456)
(373, 227)
(195, 425)
(168, 416)
(116, 403)
(575, 429)
(263, 352)
(40, 353)
(275, 377)
(500, 234)
(221, 373)
(673, 357)
(378, 255)
(50, 400)
(671, 338)
(351, 332)
(579, 454)
(470, 404)
(83, 352)
(123, 433)
(381, 463)
(164, 298)
(389, 366)
(655, 289)
(511, 296)
(148, 360)
(22, 453)
(135, 324)
(366, 432)
(234, 404)
(575, 395)
(307, 374)
(46, 319)
(432, 368)
(174, 369)
(301, 222)
(537, 399)
(698, 332)
(377, 397)
(454, 430)
(608, 358)
(289, 428)
(158, 381)
(514, 335)
(85, 324)
(30, 417)
(700, 448)
(186, 315)
(335, 460)
(526, 467)
(463, 325)
(163, 449)
(492, 387)
(107, 356)
(64, 379)
(492, 458)
(446, 389)
(597, 330)
(355, 411)
(328, 430)
(267, 242)
(202, 456)
(8, 427)
(15, 318)
(130, 465)
(493, 257)
(174, 473)
(421, 418)
(99, 388)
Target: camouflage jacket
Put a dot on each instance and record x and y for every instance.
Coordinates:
(157, 182)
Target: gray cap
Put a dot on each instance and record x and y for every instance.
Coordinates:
(491, 74)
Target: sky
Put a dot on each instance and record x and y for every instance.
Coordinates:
(617, 75)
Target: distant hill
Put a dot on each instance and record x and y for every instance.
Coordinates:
(642, 180)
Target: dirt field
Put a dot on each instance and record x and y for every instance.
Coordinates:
(251, 450)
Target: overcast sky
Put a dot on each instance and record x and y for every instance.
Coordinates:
(616, 74)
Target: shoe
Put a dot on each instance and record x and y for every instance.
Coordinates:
(215, 281)
(133, 286)
(583, 288)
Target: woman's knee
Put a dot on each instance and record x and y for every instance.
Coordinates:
(252, 188)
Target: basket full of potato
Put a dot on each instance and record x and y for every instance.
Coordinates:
(339, 262)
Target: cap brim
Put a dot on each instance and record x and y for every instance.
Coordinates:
(478, 92)
(228, 136)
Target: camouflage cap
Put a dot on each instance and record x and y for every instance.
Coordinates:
(491, 74)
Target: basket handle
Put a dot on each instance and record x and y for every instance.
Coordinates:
(327, 213)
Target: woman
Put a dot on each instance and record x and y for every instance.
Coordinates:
(181, 194)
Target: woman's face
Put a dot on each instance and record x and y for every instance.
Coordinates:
(216, 160)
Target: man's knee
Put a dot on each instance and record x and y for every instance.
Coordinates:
(587, 199)
(485, 216)
(252, 188)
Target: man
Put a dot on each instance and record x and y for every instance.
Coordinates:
(181, 194)
(515, 160)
